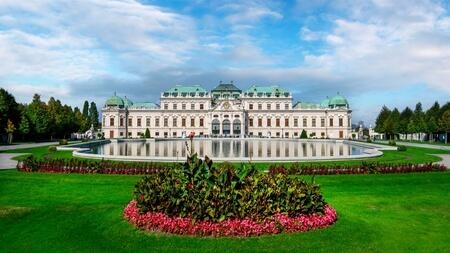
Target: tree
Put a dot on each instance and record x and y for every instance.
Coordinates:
(24, 126)
(431, 120)
(405, 117)
(382, 117)
(419, 120)
(10, 128)
(39, 117)
(9, 110)
(391, 126)
(86, 123)
(303, 135)
(93, 115)
(147, 133)
(445, 124)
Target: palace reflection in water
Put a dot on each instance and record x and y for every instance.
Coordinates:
(246, 149)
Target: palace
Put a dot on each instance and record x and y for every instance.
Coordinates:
(227, 111)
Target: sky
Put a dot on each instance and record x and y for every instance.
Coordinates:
(375, 53)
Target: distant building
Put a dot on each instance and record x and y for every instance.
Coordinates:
(227, 111)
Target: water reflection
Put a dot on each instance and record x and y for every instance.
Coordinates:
(232, 148)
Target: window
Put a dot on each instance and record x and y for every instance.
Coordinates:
(269, 122)
(192, 106)
(166, 122)
(183, 106)
(341, 122)
(277, 106)
(260, 122)
(121, 122)
(295, 122)
(269, 106)
(286, 122)
(156, 133)
(104, 121)
(192, 122)
(331, 122)
(174, 106)
(166, 106)
(250, 106)
(313, 122)
(286, 106)
(183, 122)
(277, 122)
(139, 122)
(156, 122)
(130, 121)
(202, 106)
(111, 121)
(174, 122)
(147, 121)
(322, 122)
(201, 122)
(121, 133)
(305, 122)
(250, 122)
(259, 106)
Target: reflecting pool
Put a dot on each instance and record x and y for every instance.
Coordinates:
(234, 149)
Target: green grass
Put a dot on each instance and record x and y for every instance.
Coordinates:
(83, 213)
(39, 152)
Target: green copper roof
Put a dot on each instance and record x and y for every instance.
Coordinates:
(226, 87)
(127, 102)
(273, 90)
(338, 100)
(306, 105)
(114, 101)
(145, 105)
(185, 90)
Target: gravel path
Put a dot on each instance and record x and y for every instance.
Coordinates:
(5, 158)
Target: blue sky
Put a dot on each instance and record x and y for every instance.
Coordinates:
(375, 53)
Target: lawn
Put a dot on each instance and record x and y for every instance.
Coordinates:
(83, 213)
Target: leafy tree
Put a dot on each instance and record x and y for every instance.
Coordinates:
(405, 117)
(380, 121)
(419, 120)
(391, 126)
(9, 110)
(39, 117)
(93, 115)
(445, 124)
(10, 128)
(24, 126)
(80, 119)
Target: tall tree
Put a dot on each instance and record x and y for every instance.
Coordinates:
(9, 110)
(39, 117)
(24, 126)
(445, 123)
(93, 115)
(382, 117)
(80, 120)
(419, 120)
(405, 117)
(86, 122)
(431, 120)
(391, 124)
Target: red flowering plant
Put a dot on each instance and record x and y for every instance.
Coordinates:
(198, 199)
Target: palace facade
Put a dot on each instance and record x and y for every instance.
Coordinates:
(226, 111)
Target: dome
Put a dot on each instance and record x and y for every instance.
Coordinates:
(325, 103)
(127, 102)
(338, 100)
(114, 101)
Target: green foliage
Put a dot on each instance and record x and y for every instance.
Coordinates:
(392, 143)
(63, 142)
(200, 191)
(9, 110)
(147, 133)
(401, 148)
(52, 148)
(303, 135)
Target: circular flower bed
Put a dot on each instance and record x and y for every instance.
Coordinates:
(160, 222)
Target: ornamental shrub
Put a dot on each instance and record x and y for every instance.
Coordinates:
(200, 191)
(63, 142)
(303, 135)
(401, 148)
(392, 143)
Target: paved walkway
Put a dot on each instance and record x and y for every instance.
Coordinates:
(5, 158)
